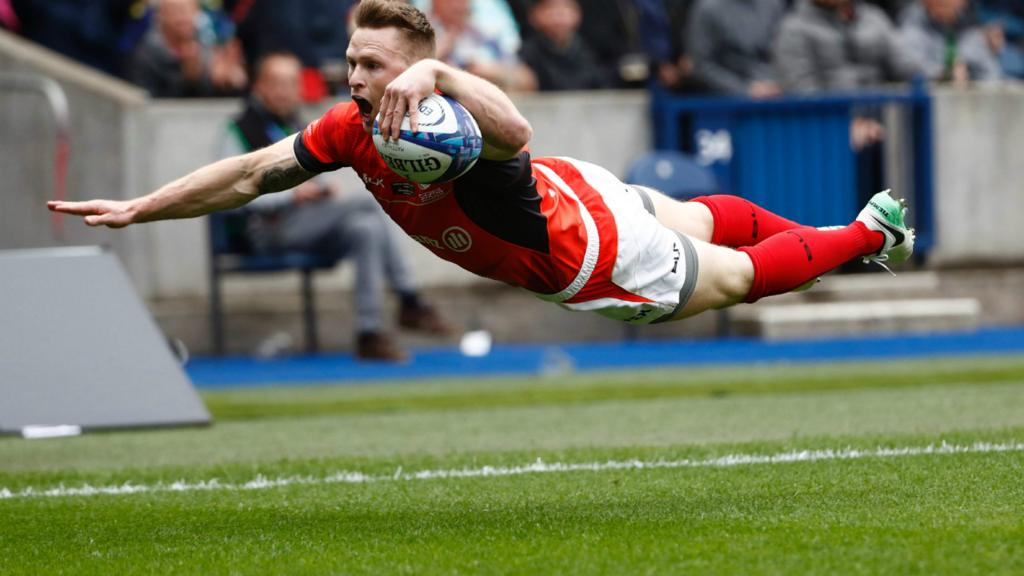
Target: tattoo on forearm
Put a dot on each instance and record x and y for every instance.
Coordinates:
(277, 179)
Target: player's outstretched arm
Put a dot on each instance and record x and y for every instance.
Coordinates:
(222, 185)
(504, 129)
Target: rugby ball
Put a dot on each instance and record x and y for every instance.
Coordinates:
(446, 146)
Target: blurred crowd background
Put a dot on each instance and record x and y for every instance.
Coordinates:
(758, 48)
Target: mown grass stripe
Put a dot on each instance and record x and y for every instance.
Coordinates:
(539, 467)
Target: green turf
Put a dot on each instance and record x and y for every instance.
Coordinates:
(924, 514)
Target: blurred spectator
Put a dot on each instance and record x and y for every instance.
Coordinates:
(1004, 24)
(175, 60)
(730, 42)
(631, 38)
(464, 44)
(556, 53)
(893, 8)
(314, 217)
(840, 45)
(85, 30)
(520, 10)
(314, 30)
(495, 19)
(951, 45)
(8, 19)
(678, 74)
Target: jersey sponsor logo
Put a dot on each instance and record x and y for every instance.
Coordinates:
(433, 195)
(371, 182)
(403, 188)
(457, 239)
(427, 241)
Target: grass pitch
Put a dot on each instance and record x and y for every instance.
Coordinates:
(324, 479)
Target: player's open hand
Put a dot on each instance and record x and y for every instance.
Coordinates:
(110, 213)
(403, 96)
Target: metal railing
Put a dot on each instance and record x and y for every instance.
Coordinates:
(57, 103)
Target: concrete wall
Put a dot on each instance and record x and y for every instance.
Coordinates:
(979, 175)
(103, 115)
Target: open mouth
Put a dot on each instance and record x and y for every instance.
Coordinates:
(365, 108)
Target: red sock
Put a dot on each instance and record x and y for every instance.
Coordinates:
(789, 259)
(740, 222)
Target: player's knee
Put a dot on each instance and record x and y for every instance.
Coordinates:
(736, 277)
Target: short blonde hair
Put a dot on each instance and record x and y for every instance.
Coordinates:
(410, 22)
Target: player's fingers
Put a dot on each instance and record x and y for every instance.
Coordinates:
(77, 208)
(110, 219)
(383, 116)
(414, 114)
(397, 115)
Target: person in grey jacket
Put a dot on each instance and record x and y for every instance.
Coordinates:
(174, 61)
(840, 45)
(730, 42)
(950, 44)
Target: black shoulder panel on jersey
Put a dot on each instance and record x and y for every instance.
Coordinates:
(501, 197)
(309, 162)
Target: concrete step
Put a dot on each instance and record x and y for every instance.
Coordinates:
(875, 286)
(867, 286)
(803, 320)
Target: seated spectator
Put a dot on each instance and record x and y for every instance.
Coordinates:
(893, 8)
(556, 53)
(8, 19)
(175, 61)
(464, 44)
(495, 19)
(313, 30)
(631, 39)
(314, 217)
(730, 42)
(85, 30)
(677, 74)
(1004, 24)
(947, 40)
(840, 45)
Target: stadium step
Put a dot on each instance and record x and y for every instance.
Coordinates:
(812, 319)
(846, 304)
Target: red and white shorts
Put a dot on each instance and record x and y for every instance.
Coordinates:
(653, 262)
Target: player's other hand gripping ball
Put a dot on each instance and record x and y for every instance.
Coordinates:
(446, 146)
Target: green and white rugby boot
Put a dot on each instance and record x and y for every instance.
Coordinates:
(886, 215)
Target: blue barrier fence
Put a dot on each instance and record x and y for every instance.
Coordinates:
(793, 155)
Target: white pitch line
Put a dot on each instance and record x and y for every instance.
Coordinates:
(539, 467)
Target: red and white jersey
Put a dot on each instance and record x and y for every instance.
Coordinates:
(543, 224)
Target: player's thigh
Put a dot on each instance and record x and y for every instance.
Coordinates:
(724, 278)
(691, 218)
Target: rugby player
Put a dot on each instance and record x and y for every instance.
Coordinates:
(566, 230)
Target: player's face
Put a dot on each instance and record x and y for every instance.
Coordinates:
(376, 56)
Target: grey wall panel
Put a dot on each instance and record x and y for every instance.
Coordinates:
(78, 347)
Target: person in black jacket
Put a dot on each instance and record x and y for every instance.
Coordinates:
(559, 57)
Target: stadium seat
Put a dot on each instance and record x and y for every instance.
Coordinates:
(230, 252)
(674, 173)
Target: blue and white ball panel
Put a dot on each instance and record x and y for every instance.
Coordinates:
(446, 146)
